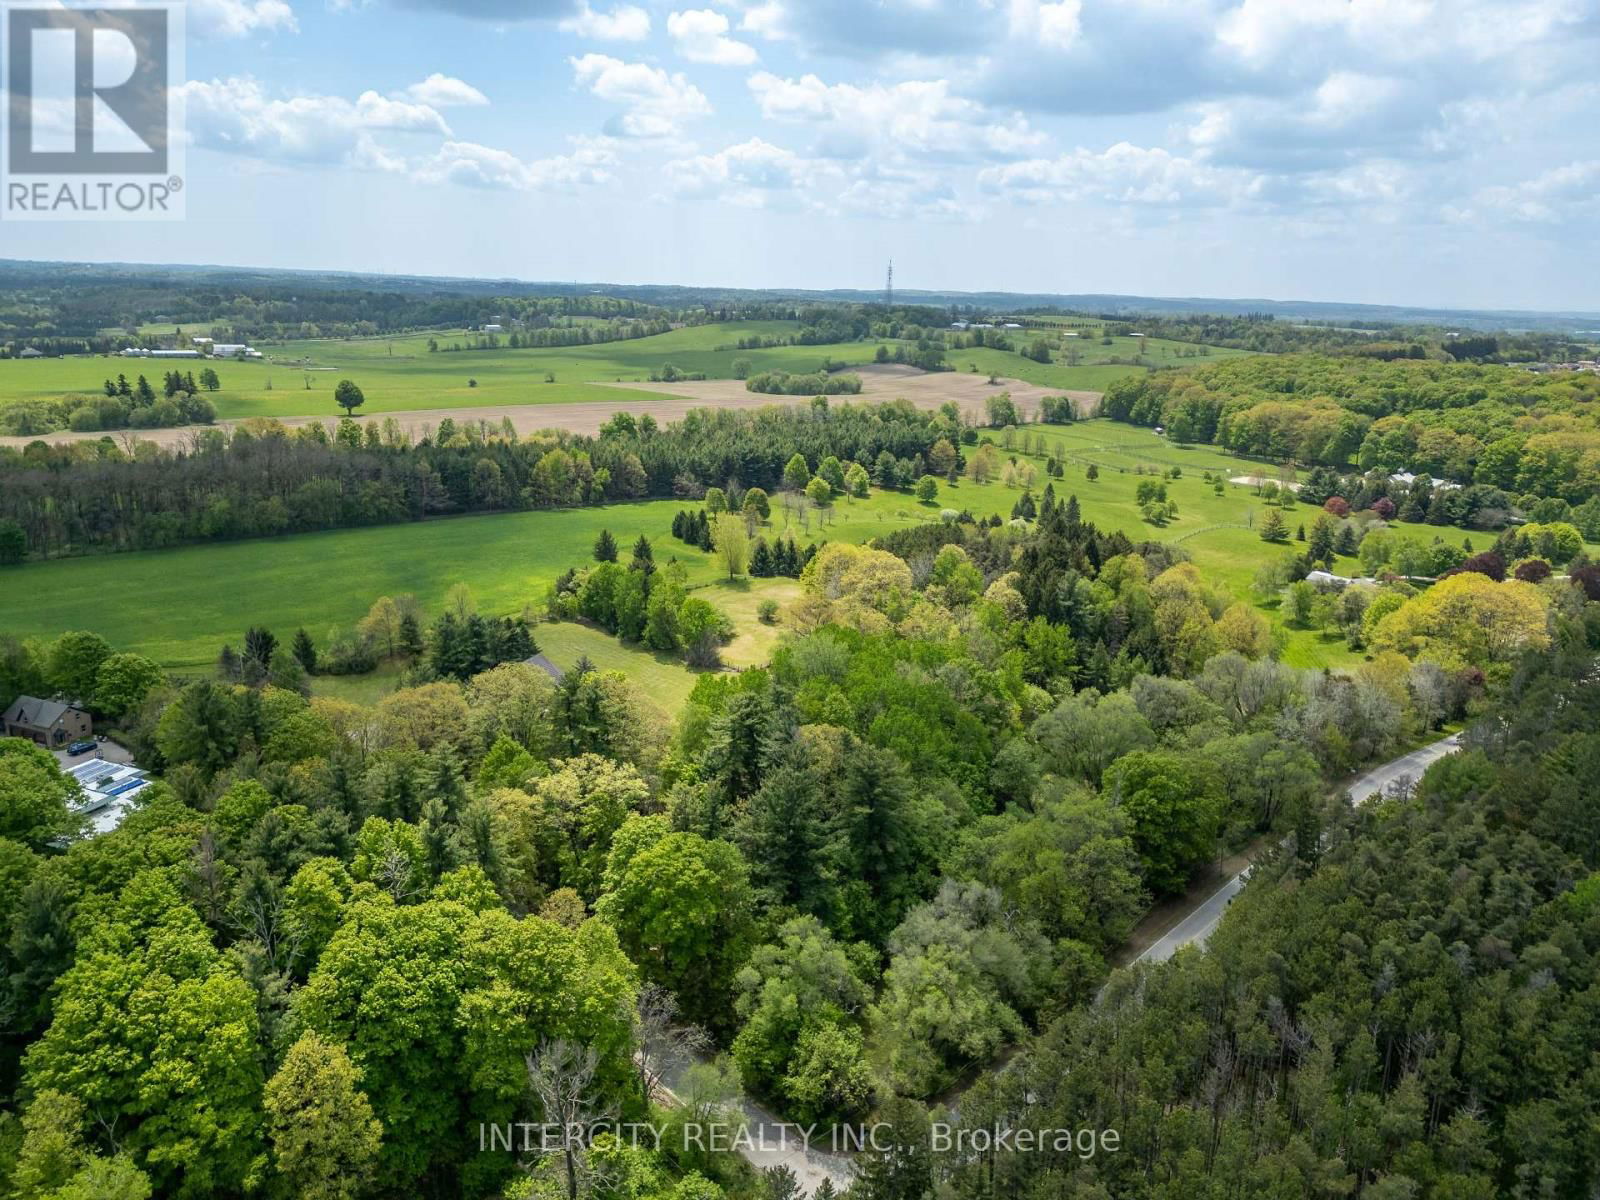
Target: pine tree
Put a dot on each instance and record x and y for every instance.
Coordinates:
(760, 559)
(605, 547)
(305, 651)
(644, 556)
(1092, 473)
(409, 639)
(1272, 527)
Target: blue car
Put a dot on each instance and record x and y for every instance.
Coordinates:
(80, 747)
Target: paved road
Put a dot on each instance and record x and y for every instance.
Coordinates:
(770, 1142)
(1197, 926)
(1407, 766)
(773, 1142)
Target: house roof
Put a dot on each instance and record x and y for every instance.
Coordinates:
(34, 712)
(545, 665)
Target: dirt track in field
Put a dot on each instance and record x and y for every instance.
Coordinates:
(666, 402)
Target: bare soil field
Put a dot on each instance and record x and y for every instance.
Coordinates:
(666, 402)
(888, 381)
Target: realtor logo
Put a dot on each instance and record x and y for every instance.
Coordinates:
(91, 125)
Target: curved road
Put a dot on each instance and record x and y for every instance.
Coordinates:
(773, 1142)
(1197, 926)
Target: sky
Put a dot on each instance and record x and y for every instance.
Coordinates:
(1381, 151)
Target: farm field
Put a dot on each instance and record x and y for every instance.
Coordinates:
(179, 606)
(668, 402)
(400, 375)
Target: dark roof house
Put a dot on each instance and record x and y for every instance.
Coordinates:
(51, 723)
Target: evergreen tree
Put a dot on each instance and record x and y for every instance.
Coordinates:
(305, 651)
(760, 559)
(409, 640)
(605, 547)
(644, 557)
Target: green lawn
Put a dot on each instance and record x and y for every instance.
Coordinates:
(180, 606)
(399, 374)
(665, 681)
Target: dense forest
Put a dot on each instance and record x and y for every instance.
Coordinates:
(1402, 1003)
(333, 941)
(248, 482)
(1527, 433)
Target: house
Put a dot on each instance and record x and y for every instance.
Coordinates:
(51, 723)
(1327, 581)
(1406, 479)
(30, 352)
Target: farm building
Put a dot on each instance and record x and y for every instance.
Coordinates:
(51, 723)
(108, 789)
(491, 328)
(141, 352)
(233, 350)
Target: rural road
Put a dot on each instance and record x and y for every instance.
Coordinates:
(771, 1142)
(1197, 926)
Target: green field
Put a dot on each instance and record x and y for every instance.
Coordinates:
(180, 606)
(399, 374)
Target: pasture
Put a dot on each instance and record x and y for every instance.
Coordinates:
(179, 606)
(400, 374)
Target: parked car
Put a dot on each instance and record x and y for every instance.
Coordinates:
(82, 747)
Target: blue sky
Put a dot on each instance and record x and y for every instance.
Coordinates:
(1389, 151)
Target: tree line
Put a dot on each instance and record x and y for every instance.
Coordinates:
(267, 479)
(1525, 433)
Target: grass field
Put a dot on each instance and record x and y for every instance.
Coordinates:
(179, 606)
(401, 375)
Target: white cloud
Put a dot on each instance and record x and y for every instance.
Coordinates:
(904, 198)
(1121, 174)
(238, 116)
(624, 23)
(919, 118)
(700, 35)
(754, 173)
(444, 91)
(1053, 25)
(1559, 194)
(758, 174)
(240, 18)
(656, 103)
(472, 165)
